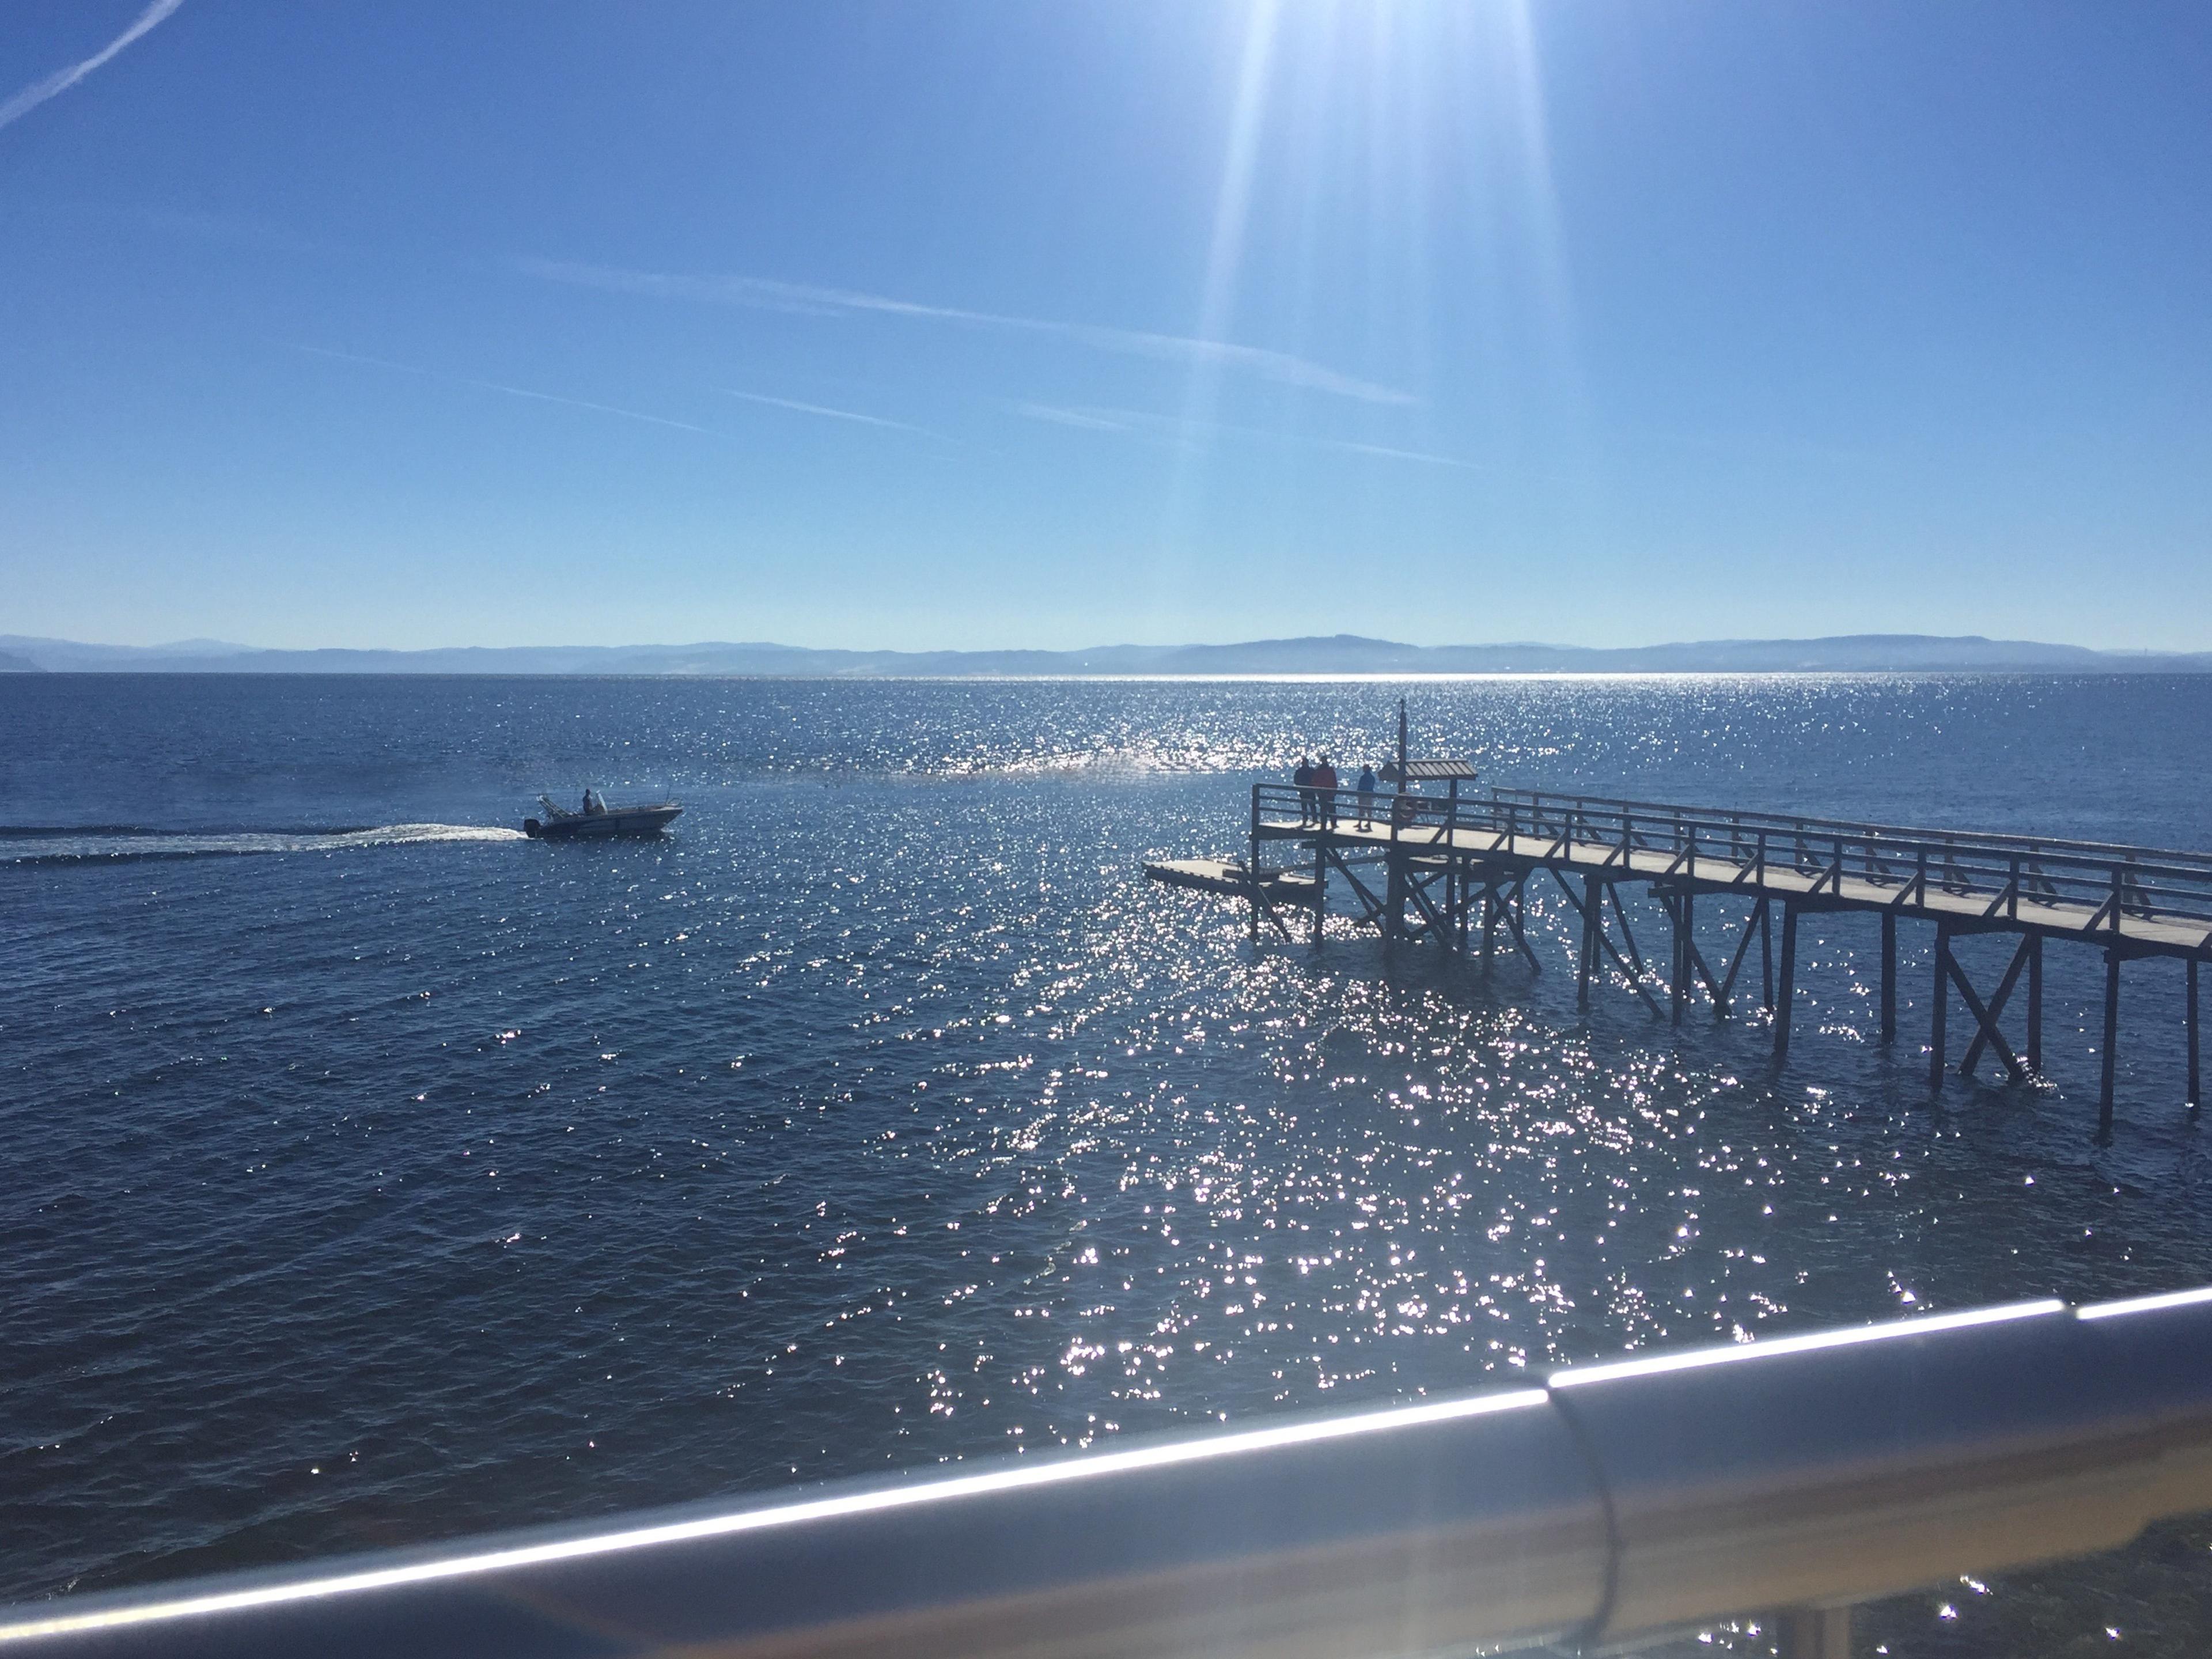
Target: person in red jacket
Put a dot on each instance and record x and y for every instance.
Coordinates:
(1325, 792)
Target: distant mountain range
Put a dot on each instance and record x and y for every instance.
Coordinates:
(1340, 653)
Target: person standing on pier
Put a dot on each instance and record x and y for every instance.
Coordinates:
(1367, 797)
(1303, 778)
(1324, 777)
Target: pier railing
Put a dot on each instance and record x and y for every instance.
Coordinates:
(1608, 1504)
(2004, 872)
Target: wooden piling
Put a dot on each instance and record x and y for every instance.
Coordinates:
(1394, 882)
(1889, 975)
(2035, 1003)
(1678, 979)
(1592, 920)
(1321, 886)
(1939, 1014)
(2196, 1098)
(1692, 963)
(1789, 985)
(1815, 1633)
(1766, 958)
(2111, 1043)
(1686, 907)
(1252, 867)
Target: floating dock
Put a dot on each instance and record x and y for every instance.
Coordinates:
(1232, 880)
(1454, 871)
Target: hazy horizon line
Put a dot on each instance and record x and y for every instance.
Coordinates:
(206, 645)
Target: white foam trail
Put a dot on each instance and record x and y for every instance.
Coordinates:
(41, 849)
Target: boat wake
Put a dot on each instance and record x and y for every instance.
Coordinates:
(113, 843)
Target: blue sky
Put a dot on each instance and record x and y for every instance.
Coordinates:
(975, 324)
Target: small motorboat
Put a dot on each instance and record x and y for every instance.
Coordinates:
(597, 819)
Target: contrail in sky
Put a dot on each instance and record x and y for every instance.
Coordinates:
(1089, 420)
(1138, 423)
(63, 79)
(765, 294)
(511, 391)
(824, 409)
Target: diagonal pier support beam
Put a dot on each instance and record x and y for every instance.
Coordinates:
(1689, 965)
(1263, 905)
(1627, 933)
(1987, 1018)
(1437, 923)
(1751, 923)
(1371, 906)
(1515, 915)
(1591, 909)
(1697, 964)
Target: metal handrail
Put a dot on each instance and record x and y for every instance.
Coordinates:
(1793, 820)
(2111, 883)
(1607, 1503)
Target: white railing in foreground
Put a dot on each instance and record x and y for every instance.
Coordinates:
(1602, 1503)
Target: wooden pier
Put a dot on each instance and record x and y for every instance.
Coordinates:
(1456, 870)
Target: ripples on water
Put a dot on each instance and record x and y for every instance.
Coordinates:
(406, 1181)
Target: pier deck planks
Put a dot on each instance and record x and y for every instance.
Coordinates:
(1717, 871)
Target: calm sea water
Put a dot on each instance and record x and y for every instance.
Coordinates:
(375, 1175)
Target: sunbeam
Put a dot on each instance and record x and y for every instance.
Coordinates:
(1224, 255)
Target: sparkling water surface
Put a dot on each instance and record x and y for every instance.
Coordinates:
(376, 1175)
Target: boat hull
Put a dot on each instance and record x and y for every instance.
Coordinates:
(602, 826)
